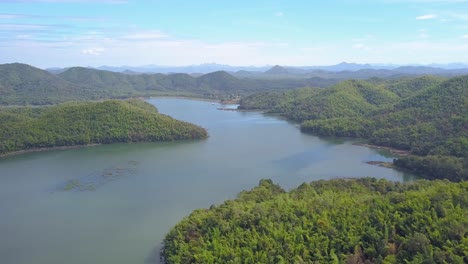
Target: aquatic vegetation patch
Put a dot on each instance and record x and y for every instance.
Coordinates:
(97, 179)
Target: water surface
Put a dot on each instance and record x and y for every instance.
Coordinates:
(132, 194)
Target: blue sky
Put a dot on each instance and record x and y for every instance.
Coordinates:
(59, 33)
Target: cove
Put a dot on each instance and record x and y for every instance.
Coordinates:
(130, 195)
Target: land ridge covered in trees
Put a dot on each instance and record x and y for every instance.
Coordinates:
(85, 123)
(426, 116)
(22, 84)
(337, 221)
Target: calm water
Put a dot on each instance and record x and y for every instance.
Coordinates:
(44, 219)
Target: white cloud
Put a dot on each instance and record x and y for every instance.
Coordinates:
(423, 36)
(279, 14)
(92, 51)
(365, 38)
(457, 16)
(132, 47)
(464, 36)
(145, 35)
(425, 17)
(358, 46)
(10, 16)
(23, 36)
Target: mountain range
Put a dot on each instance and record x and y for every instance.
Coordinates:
(212, 67)
(24, 84)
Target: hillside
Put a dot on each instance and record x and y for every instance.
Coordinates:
(21, 84)
(426, 116)
(419, 222)
(432, 121)
(347, 99)
(84, 123)
(408, 86)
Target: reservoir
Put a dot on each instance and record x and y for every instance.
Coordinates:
(114, 203)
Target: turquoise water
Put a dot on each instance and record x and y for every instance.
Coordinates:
(132, 194)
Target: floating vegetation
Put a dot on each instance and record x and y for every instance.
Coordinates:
(95, 180)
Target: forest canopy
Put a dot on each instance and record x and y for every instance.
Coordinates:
(83, 123)
(337, 221)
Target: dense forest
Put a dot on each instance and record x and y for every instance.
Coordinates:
(425, 115)
(82, 123)
(338, 221)
(21, 84)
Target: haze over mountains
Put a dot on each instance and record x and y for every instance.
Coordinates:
(212, 67)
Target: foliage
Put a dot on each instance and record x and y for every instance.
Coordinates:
(409, 86)
(21, 84)
(346, 99)
(435, 167)
(425, 115)
(81, 123)
(337, 221)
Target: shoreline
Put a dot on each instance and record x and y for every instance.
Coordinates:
(26, 151)
(181, 97)
(394, 151)
(383, 164)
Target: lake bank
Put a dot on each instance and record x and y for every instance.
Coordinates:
(394, 151)
(21, 152)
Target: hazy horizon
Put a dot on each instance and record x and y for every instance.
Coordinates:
(63, 33)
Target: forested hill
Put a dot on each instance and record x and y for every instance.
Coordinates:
(21, 84)
(338, 221)
(70, 124)
(348, 98)
(427, 116)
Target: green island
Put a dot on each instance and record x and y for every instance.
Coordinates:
(337, 221)
(425, 116)
(85, 123)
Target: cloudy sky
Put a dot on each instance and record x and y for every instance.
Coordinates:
(59, 33)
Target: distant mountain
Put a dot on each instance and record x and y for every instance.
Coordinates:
(345, 71)
(253, 70)
(23, 84)
(277, 70)
(202, 68)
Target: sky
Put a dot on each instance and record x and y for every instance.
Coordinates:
(61, 33)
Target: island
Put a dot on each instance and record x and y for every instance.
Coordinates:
(72, 124)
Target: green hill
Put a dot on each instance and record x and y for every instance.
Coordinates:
(24, 84)
(433, 121)
(408, 86)
(21, 84)
(346, 99)
(337, 221)
(85, 123)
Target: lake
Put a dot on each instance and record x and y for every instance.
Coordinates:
(114, 203)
